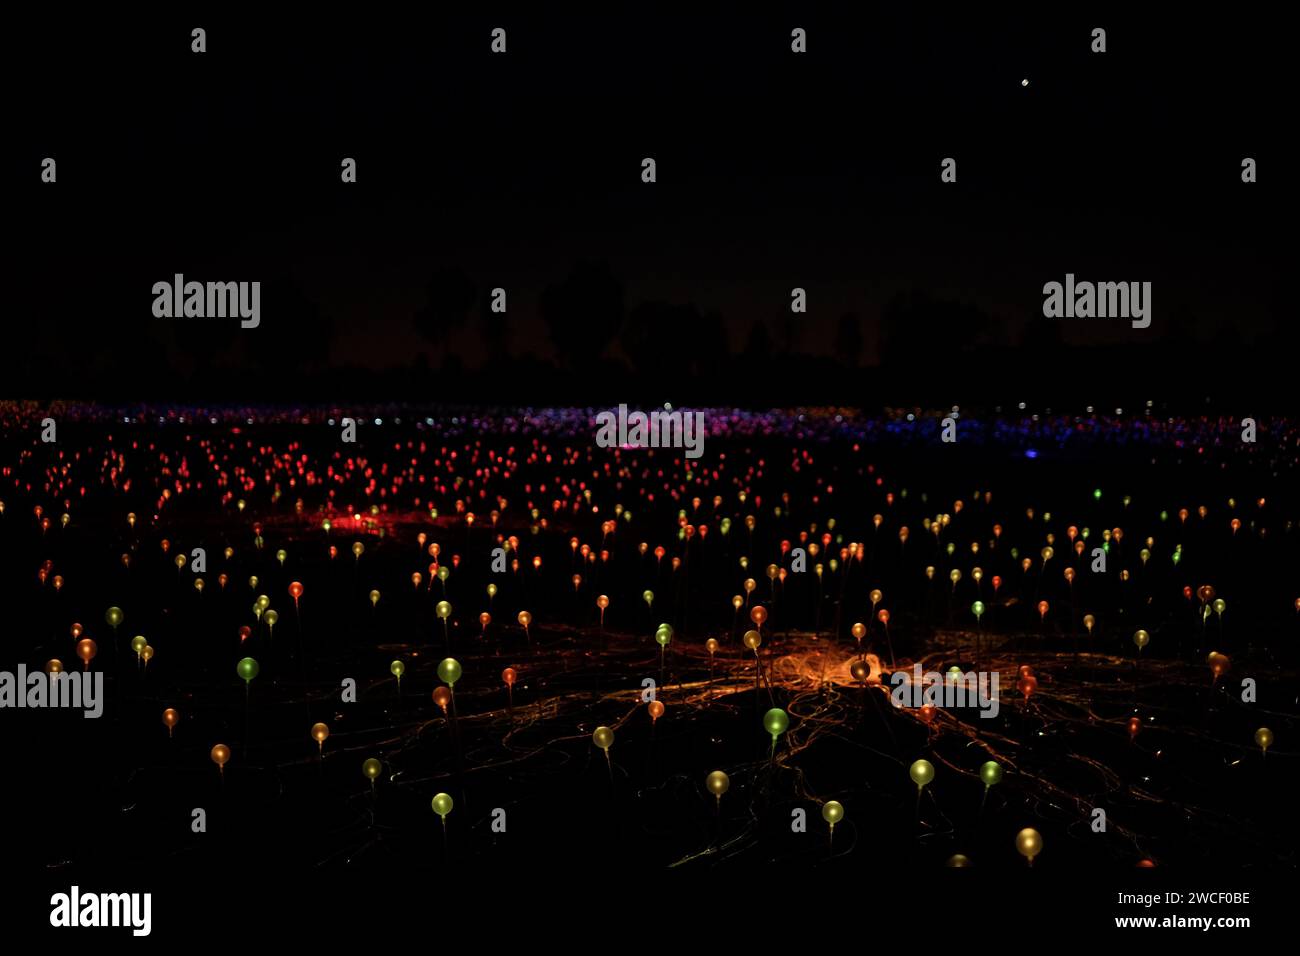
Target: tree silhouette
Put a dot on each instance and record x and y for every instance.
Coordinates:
(918, 328)
(709, 344)
(848, 339)
(450, 295)
(1042, 334)
(294, 333)
(494, 327)
(583, 313)
(758, 348)
(659, 337)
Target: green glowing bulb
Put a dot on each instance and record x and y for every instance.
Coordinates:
(922, 772)
(991, 773)
(449, 670)
(247, 669)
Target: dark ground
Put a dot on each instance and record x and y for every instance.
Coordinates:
(1191, 792)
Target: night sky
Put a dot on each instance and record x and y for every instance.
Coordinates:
(522, 170)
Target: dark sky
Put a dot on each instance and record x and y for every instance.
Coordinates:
(775, 170)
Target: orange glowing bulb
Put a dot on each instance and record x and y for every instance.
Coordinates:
(1220, 664)
(1029, 843)
(220, 754)
(86, 650)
